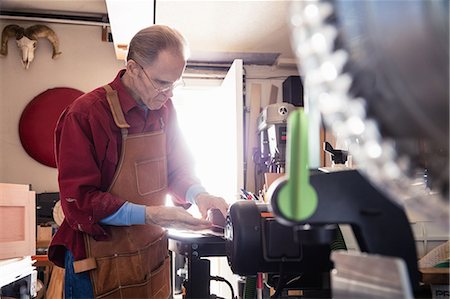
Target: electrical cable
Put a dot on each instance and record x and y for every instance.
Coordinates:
(280, 284)
(294, 279)
(218, 278)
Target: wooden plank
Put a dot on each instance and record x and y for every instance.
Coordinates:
(56, 286)
(326, 135)
(273, 94)
(252, 135)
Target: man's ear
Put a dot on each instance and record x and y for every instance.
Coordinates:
(132, 68)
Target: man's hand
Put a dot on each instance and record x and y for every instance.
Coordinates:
(207, 201)
(174, 217)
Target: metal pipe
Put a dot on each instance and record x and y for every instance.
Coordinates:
(55, 18)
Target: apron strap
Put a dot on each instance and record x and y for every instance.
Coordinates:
(116, 109)
(84, 265)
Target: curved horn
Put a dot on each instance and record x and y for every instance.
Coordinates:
(38, 31)
(9, 31)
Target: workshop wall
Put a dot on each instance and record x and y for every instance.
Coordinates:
(85, 63)
(267, 76)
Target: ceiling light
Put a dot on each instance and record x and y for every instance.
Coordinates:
(126, 18)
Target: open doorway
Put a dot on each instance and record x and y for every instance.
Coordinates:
(210, 115)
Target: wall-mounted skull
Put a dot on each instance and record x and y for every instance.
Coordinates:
(26, 39)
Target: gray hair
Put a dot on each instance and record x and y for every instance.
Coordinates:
(149, 42)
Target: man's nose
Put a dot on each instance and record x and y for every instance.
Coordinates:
(168, 93)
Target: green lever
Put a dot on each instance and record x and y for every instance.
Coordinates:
(297, 199)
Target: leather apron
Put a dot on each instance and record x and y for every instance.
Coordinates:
(134, 263)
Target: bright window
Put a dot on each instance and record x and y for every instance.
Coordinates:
(203, 118)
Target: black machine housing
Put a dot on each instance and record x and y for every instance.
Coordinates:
(256, 242)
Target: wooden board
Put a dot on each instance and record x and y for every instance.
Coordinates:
(252, 135)
(273, 94)
(17, 221)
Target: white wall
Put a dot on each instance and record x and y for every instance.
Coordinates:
(267, 76)
(86, 62)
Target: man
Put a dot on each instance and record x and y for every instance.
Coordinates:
(119, 152)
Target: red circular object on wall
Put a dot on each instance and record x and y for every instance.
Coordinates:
(38, 122)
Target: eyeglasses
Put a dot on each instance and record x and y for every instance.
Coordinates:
(162, 89)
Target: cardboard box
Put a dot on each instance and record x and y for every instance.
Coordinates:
(440, 291)
(438, 279)
(270, 177)
(44, 236)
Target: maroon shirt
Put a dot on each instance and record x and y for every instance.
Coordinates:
(88, 145)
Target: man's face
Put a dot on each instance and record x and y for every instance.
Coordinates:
(156, 81)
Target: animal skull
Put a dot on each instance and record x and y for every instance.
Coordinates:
(27, 46)
(27, 40)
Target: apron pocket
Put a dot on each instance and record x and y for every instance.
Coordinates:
(160, 281)
(151, 176)
(157, 286)
(119, 271)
